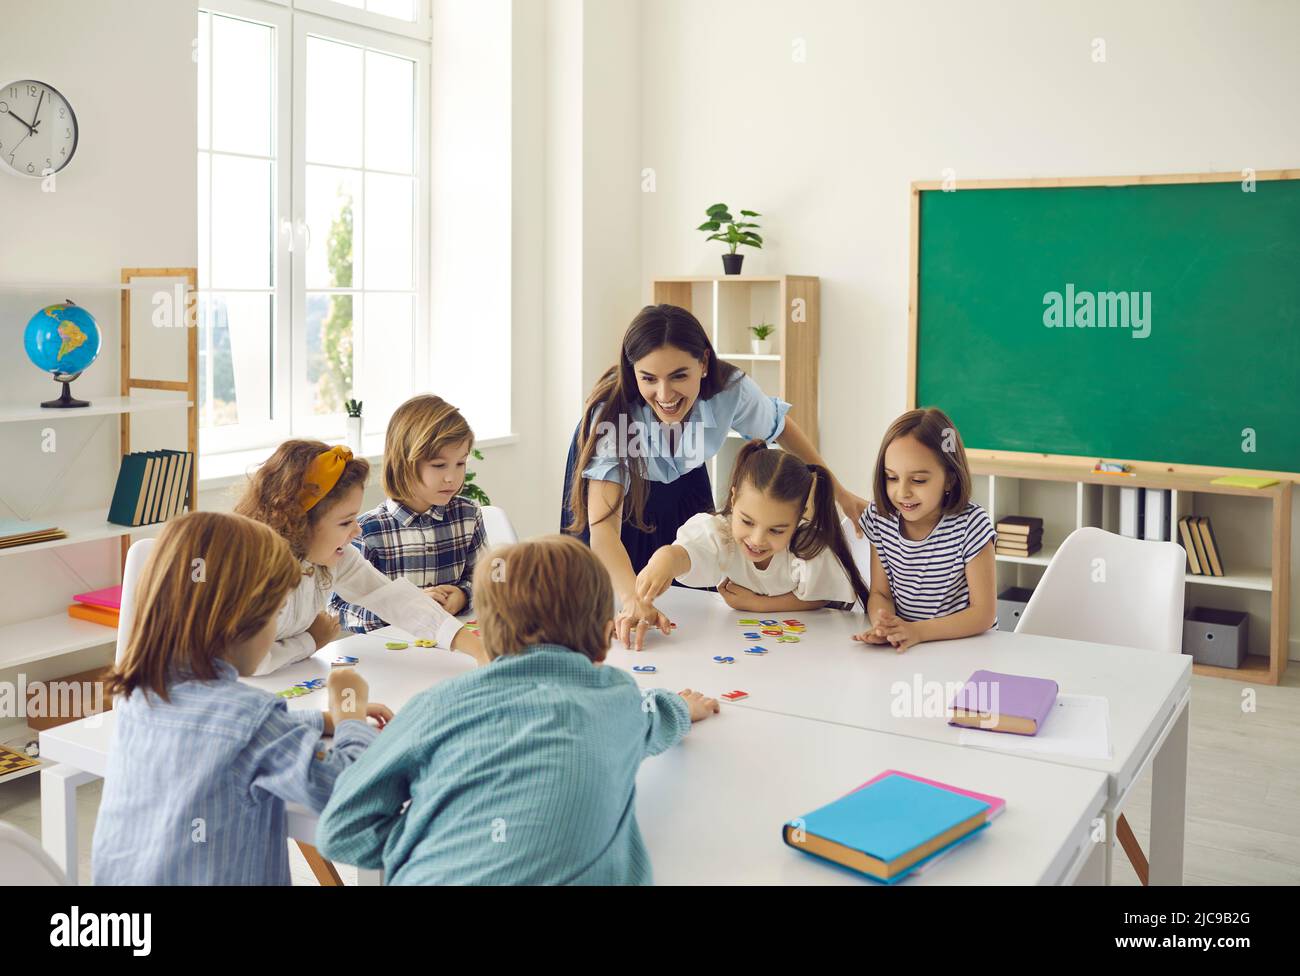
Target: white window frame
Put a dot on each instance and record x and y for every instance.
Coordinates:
(292, 27)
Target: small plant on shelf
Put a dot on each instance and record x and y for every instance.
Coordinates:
(761, 343)
(739, 233)
(353, 408)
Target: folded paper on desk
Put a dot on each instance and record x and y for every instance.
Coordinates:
(1079, 725)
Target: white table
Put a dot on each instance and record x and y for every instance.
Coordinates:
(715, 795)
(711, 808)
(831, 678)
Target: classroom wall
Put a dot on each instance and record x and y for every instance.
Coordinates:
(820, 113)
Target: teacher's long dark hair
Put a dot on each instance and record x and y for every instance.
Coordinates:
(616, 393)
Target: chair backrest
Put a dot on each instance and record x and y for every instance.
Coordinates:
(496, 523)
(1110, 589)
(136, 557)
(22, 862)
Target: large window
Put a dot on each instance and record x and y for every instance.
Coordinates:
(313, 202)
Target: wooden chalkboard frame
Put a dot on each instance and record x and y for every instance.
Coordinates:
(1141, 465)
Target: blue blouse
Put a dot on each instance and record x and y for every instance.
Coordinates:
(741, 407)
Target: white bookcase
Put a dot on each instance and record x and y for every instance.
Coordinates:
(74, 491)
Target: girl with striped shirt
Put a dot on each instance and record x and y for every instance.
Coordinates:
(932, 570)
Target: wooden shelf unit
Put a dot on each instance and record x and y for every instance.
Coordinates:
(727, 305)
(1002, 494)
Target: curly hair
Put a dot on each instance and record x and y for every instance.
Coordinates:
(272, 494)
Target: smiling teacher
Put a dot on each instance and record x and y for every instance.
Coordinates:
(635, 471)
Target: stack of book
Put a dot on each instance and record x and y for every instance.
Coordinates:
(1202, 550)
(98, 606)
(893, 825)
(15, 532)
(151, 487)
(1019, 535)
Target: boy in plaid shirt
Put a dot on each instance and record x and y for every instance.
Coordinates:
(425, 530)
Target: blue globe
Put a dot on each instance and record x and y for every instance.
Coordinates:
(62, 340)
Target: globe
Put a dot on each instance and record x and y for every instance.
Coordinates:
(62, 340)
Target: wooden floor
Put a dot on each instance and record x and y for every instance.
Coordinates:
(1243, 793)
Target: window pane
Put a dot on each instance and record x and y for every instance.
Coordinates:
(401, 9)
(242, 222)
(205, 217)
(333, 200)
(241, 86)
(333, 99)
(329, 352)
(235, 358)
(385, 355)
(389, 232)
(205, 94)
(390, 112)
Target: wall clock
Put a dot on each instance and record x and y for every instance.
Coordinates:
(38, 130)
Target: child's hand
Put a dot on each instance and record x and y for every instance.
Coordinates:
(349, 696)
(324, 629)
(635, 619)
(701, 707)
(451, 598)
(382, 714)
(657, 576)
(871, 636)
(739, 597)
(901, 633)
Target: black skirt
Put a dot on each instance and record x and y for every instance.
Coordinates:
(667, 508)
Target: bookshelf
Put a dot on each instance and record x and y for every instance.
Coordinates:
(727, 305)
(41, 635)
(1248, 522)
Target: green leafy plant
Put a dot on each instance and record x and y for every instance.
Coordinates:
(469, 489)
(762, 330)
(353, 407)
(737, 234)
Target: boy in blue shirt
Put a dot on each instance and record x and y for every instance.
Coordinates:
(524, 770)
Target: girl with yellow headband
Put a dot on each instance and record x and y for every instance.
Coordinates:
(311, 494)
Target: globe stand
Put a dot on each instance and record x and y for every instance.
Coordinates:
(67, 399)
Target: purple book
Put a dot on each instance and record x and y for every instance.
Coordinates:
(1004, 703)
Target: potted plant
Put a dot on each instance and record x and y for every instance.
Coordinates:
(469, 489)
(737, 234)
(353, 407)
(761, 343)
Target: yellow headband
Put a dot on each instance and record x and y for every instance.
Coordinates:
(323, 475)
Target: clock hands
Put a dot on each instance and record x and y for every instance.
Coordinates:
(36, 114)
(31, 129)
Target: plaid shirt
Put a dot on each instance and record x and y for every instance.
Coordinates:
(428, 548)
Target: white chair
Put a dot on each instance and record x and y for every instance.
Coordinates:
(22, 862)
(1109, 589)
(496, 523)
(136, 557)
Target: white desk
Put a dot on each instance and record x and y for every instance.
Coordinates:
(710, 809)
(831, 678)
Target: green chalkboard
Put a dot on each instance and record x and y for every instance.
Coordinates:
(1215, 270)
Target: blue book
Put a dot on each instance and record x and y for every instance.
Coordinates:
(889, 828)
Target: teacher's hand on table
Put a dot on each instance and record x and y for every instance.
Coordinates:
(635, 619)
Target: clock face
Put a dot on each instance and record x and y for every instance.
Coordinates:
(38, 132)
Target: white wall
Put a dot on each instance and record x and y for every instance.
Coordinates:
(826, 147)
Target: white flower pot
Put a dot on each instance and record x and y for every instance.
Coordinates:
(354, 435)
(762, 347)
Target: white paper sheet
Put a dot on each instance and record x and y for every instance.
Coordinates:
(1079, 725)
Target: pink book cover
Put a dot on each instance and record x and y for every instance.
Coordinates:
(996, 803)
(109, 596)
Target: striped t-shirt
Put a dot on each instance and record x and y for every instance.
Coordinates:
(928, 578)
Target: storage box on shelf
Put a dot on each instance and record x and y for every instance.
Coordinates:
(1253, 526)
(24, 641)
(727, 306)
